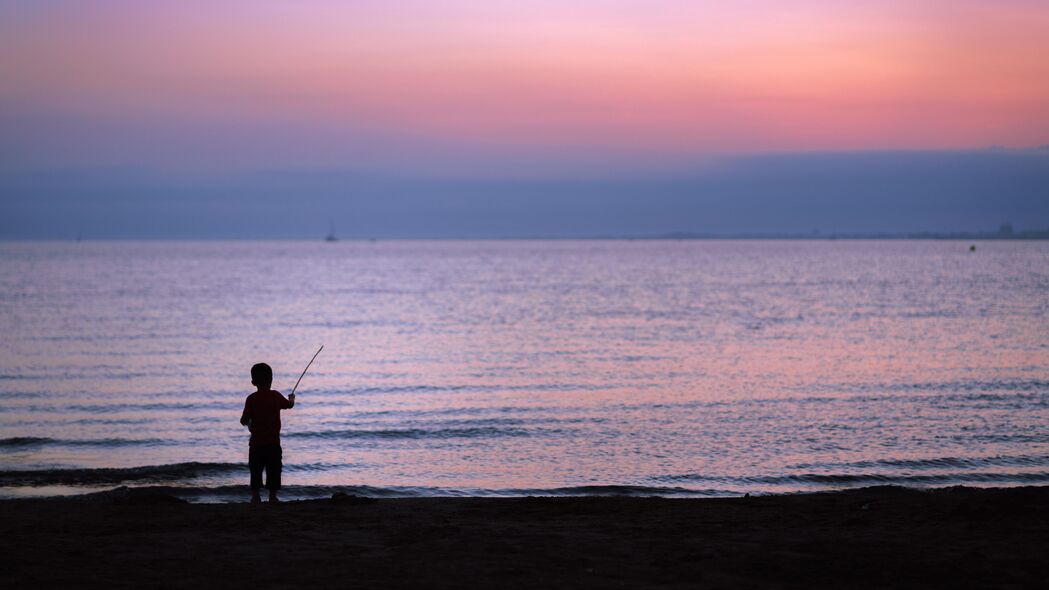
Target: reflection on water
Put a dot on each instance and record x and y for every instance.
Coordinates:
(451, 367)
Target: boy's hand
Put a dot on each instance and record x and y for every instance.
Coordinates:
(291, 397)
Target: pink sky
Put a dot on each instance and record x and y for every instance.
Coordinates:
(655, 76)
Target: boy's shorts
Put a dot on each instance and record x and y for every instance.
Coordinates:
(265, 457)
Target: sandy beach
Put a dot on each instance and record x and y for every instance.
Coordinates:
(874, 537)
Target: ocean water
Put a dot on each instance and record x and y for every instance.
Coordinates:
(535, 367)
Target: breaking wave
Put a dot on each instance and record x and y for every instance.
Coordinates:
(101, 476)
(846, 479)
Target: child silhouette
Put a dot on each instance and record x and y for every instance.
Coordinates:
(262, 417)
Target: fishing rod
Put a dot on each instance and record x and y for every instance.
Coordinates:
(306, 369)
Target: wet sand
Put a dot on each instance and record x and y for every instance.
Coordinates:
(876, 537)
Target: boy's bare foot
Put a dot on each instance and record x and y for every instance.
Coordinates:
(274, 499)
(256, 499)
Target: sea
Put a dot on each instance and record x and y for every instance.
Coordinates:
(515, 368)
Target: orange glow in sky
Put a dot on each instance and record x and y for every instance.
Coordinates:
(676, 77)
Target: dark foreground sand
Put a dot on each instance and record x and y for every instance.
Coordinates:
(877, 537)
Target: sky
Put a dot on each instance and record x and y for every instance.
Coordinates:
(449, 118)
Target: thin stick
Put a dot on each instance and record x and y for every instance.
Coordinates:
(306, 369)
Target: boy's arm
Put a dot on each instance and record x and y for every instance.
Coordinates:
(245, 417)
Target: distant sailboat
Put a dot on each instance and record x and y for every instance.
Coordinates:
(331, 233)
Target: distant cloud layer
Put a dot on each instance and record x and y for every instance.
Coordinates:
(796, 193)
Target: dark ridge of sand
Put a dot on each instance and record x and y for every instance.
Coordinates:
(876, 537)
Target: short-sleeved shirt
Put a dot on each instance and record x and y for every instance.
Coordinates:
(263, 408)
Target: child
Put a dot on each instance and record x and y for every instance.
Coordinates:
(262, 417)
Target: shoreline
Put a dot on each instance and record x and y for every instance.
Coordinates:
(119, 490)
(866, 537)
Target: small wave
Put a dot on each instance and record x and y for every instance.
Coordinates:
(19, 395)
(35, 441)
(1035, 387)
(350, 324)
(617, 490)
(24, 441)
(1008, 438)
(845, 479)
(235, 493)
(416, 433)
(123, 407)
(452, 388)
(942, 462)
(172, 472)
(240, 493)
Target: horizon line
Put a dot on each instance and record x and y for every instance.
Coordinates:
(1000, 235)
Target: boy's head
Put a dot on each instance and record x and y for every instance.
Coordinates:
(262, 376)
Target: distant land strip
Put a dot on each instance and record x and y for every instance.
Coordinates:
(1005, 232)
(1038, 234)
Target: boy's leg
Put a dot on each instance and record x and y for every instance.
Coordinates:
(256, 463)
(273, 469)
